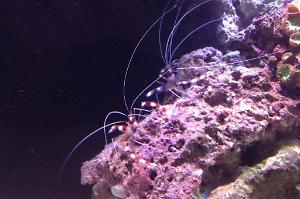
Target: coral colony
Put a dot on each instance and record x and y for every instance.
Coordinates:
(230, 123)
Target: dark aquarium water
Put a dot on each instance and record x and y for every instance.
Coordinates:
(218, 82)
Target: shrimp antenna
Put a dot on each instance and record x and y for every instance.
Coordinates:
(236, 62)
(170, 69)
(133, 53)
(149, 85)
(79, 143)
(192, 32)
(104, 124)
(175, 21)
(159, 32)
(171, 35)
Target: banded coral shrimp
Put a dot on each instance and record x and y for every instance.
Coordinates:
(166, 12)
(168, 55)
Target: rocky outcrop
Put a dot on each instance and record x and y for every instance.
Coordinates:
(231, 130)
(205, 137)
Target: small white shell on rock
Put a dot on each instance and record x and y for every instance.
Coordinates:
(298, 187)
(198, 172)
(118, 191)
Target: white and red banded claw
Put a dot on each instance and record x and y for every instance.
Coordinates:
(154, 105)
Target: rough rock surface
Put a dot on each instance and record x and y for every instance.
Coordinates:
(261, 180)
(204, 137)
(238, 15)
